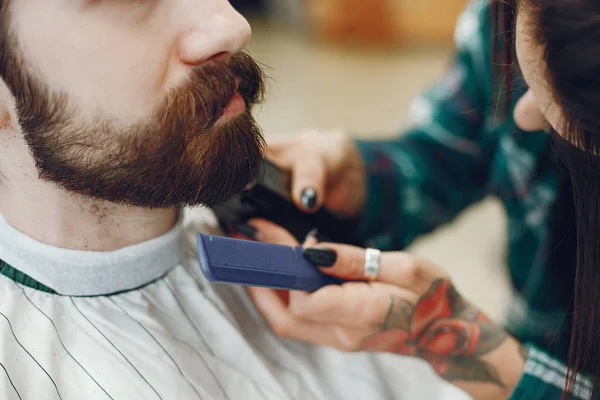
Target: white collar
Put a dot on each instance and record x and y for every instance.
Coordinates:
(88, 273)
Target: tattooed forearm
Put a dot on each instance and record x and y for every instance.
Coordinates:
(399, 315)
(443, 329)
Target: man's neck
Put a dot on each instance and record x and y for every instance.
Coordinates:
(52, 216)
(59, 219)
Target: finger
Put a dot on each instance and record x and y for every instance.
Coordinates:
(311, 238)
(270, 304)
(308, 182)
(269, 232)
(396, 268)
(310, 242)
(355, 305)
(283, 323)
(307, 168)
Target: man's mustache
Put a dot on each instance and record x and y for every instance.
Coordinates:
(210, 88)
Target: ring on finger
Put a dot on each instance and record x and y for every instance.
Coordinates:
(372, 264)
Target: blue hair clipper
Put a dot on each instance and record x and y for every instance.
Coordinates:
(248, 263)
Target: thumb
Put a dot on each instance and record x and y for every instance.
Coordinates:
(308, 183)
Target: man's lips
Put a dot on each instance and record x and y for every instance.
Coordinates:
(235, 107)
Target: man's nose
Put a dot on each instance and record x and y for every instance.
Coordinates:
(216, 35)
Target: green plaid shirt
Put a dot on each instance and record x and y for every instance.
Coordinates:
(455, 154)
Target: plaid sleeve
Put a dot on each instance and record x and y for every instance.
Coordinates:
(441, 164)
(544, 378)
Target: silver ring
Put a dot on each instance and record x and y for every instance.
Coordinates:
(372, 264)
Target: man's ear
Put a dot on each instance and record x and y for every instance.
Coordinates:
(8, 115)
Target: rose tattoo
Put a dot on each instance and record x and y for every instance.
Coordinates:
(443, 329)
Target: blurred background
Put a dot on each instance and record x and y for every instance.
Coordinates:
(356, 65)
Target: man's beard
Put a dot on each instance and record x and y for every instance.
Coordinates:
(181, 157)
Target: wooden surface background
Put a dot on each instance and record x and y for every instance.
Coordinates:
(384, 22)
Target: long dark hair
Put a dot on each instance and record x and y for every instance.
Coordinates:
(569, 31)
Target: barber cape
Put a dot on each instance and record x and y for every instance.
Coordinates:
(142, 323)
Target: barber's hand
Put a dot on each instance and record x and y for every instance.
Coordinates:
(412, 308)
(326, 167)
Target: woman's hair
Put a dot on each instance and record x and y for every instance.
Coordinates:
(569, 31)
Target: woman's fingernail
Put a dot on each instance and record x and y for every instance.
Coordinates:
(320, 256)
(312, 235)
(308, 198)
(247, 230)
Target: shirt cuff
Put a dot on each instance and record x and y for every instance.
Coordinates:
(545, 378)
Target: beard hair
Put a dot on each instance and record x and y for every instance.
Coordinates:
(183, 156)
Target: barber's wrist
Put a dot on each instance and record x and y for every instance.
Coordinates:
(509, 363)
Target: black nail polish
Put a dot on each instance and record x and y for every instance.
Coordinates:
(308, 198)
(246, 230)
(320, 256)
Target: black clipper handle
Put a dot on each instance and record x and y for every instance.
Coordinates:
(270, 199)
